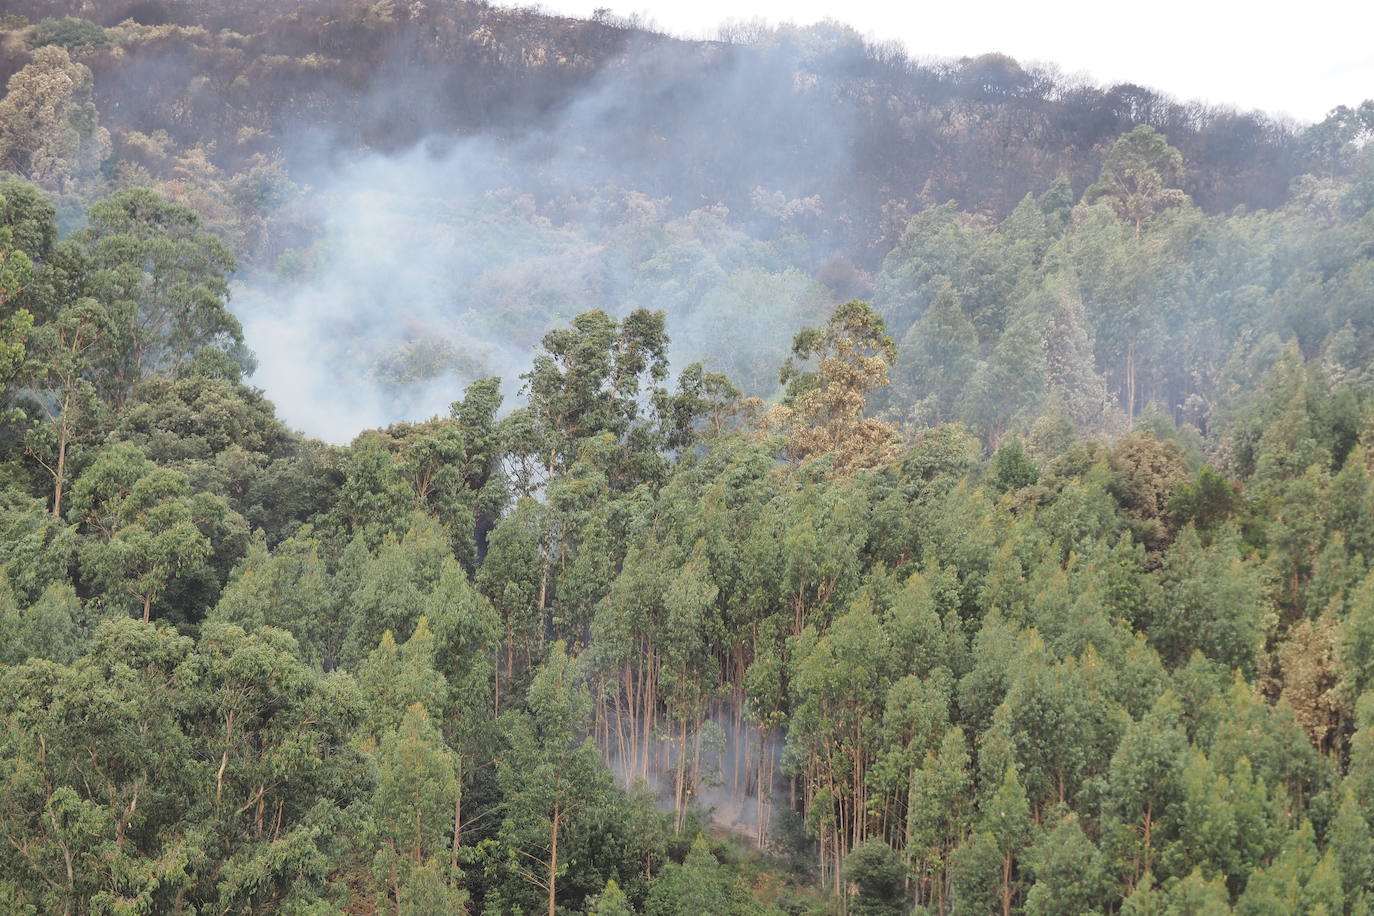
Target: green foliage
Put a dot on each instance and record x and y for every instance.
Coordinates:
(48, 629)
(610, 902)
(878, 876)
(1012, 468)
(1137, 176)
(72, 34)
(1210, 600)
(1206, 501)
(698, 885)
(412, 808)
(154, 266)
(145, 531)
(1067, 872)
(1004, 636)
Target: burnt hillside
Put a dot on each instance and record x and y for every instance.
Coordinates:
(876, 135)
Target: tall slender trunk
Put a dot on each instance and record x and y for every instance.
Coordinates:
(736, 738)
(695, 782)
(680, 780)
(768, 762)
(1149, 823)
(631, 755)
(1006, 884)
(60, 478)
(457, 821)
(553, 858)
(543, 596)
(650, 707)
(1130, 378)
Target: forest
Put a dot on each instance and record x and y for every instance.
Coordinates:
(477, 492)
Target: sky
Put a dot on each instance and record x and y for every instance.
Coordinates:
(1294, 60)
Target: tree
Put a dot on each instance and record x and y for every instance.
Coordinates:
(705, 406)
(588, 380)
(16, 273)
(698, 885)
(65, 352)
(97, 773)
(164, 281)
(394, 583)
(1070, 363)
(143, 526)
(1144, 474)
(823, 412)
(839, 681)
(1067, 871)
(1211, 599)
(1223, 824)
(1008, 382)
(1294, 882)
(938, 810)
(270, 742)
(412, 808)
(610, 902)
(287, 588)
(514, 578)
(975, 872)
(1309, 672)
(1207, 500)
(1006, 832)
(1058, 725)
(71, 33)
(1012, 468)
(1194, 895)
(934, 251)
(1138, 175)
(450, 466)
(1355, 643)
(49, 628)
(397, 678)
(876, 877)
(49, 131)
(688, 668)
(1144, 780)
(1351, 843)
(549, 775)
(940, 354)
(1333, 144)
(221, 434)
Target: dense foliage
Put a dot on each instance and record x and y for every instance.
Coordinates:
(1042, 584)
(529, 168)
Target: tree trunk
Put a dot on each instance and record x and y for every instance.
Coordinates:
(1130, 379)
(1149, 823)
(60, 478)
(457, 831)
(553, 859)
(680, 780)
(1006, 884)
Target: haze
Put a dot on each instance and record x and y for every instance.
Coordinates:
(1251, 56)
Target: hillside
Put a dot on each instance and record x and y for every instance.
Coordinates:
(417, 194)
(867, 129)
(460, 461)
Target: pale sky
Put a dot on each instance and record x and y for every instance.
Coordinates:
(1294, 59)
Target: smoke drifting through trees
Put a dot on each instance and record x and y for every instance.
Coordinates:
(449, 261)
(403, 675)
(473, 176)
(720, 765)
